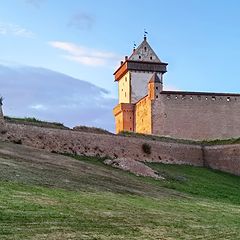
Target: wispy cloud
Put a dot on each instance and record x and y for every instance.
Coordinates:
(15, 30)
(38, 107)
(82, 21)
(84, 55)
(35, 3)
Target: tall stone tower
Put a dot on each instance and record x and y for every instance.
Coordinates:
(133, 77)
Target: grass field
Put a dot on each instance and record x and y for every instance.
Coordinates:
(50, 196)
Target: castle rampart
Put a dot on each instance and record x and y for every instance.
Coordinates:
(222, 157)
(196, 115)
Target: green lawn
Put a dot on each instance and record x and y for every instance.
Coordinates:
(31, 212)
(84, 199)
(200, 181)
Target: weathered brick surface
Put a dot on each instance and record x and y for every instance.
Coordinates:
(223, 157)
(196, 116)
(114, 146)
(143, 116)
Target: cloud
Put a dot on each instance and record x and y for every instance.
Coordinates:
(82, 21)
(84, 55)
(35, 3)
(15, 30)
(38, 107)
(52, 96)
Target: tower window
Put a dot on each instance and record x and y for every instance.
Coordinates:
(139, 57)
(156, 88)
(156, 96)
(125, 94)
(151, 58)
(145, 49)
(125, 79)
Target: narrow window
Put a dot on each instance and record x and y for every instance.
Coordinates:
(156, 96)
(228, 99)
(157, 88)
(139, 57)
(125, 94)
(151, 58)
(125, 79)
(145, 49)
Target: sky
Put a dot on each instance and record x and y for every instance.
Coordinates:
(58, 57)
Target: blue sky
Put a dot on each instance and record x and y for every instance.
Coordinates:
(86, 39)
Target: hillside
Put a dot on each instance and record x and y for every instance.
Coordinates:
(50, 196)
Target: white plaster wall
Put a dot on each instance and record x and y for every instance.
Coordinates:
(139, 84)
(124, 89)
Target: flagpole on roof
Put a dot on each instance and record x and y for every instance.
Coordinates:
(145, 33)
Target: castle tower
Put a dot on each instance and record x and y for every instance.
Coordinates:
(134, 73)
(155, 86)
(133, 77)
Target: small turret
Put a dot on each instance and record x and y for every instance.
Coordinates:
(155, 86)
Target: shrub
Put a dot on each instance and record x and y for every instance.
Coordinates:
(146, 148)
(17, 141)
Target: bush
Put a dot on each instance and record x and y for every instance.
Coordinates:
(17, 141)
(146, 148)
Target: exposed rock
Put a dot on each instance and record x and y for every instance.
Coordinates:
(135, 167)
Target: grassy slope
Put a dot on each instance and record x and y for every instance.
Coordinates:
(49, 196)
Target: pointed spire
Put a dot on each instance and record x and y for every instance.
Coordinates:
(144, 53)
(154, 79)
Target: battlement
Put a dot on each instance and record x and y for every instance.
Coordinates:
(201, 96)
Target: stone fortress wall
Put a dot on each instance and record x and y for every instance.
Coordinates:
(196, 115)
(222, 157)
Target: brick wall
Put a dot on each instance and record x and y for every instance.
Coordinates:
(143, 117)
(59, 140)
(196, 116)
(223, 157)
